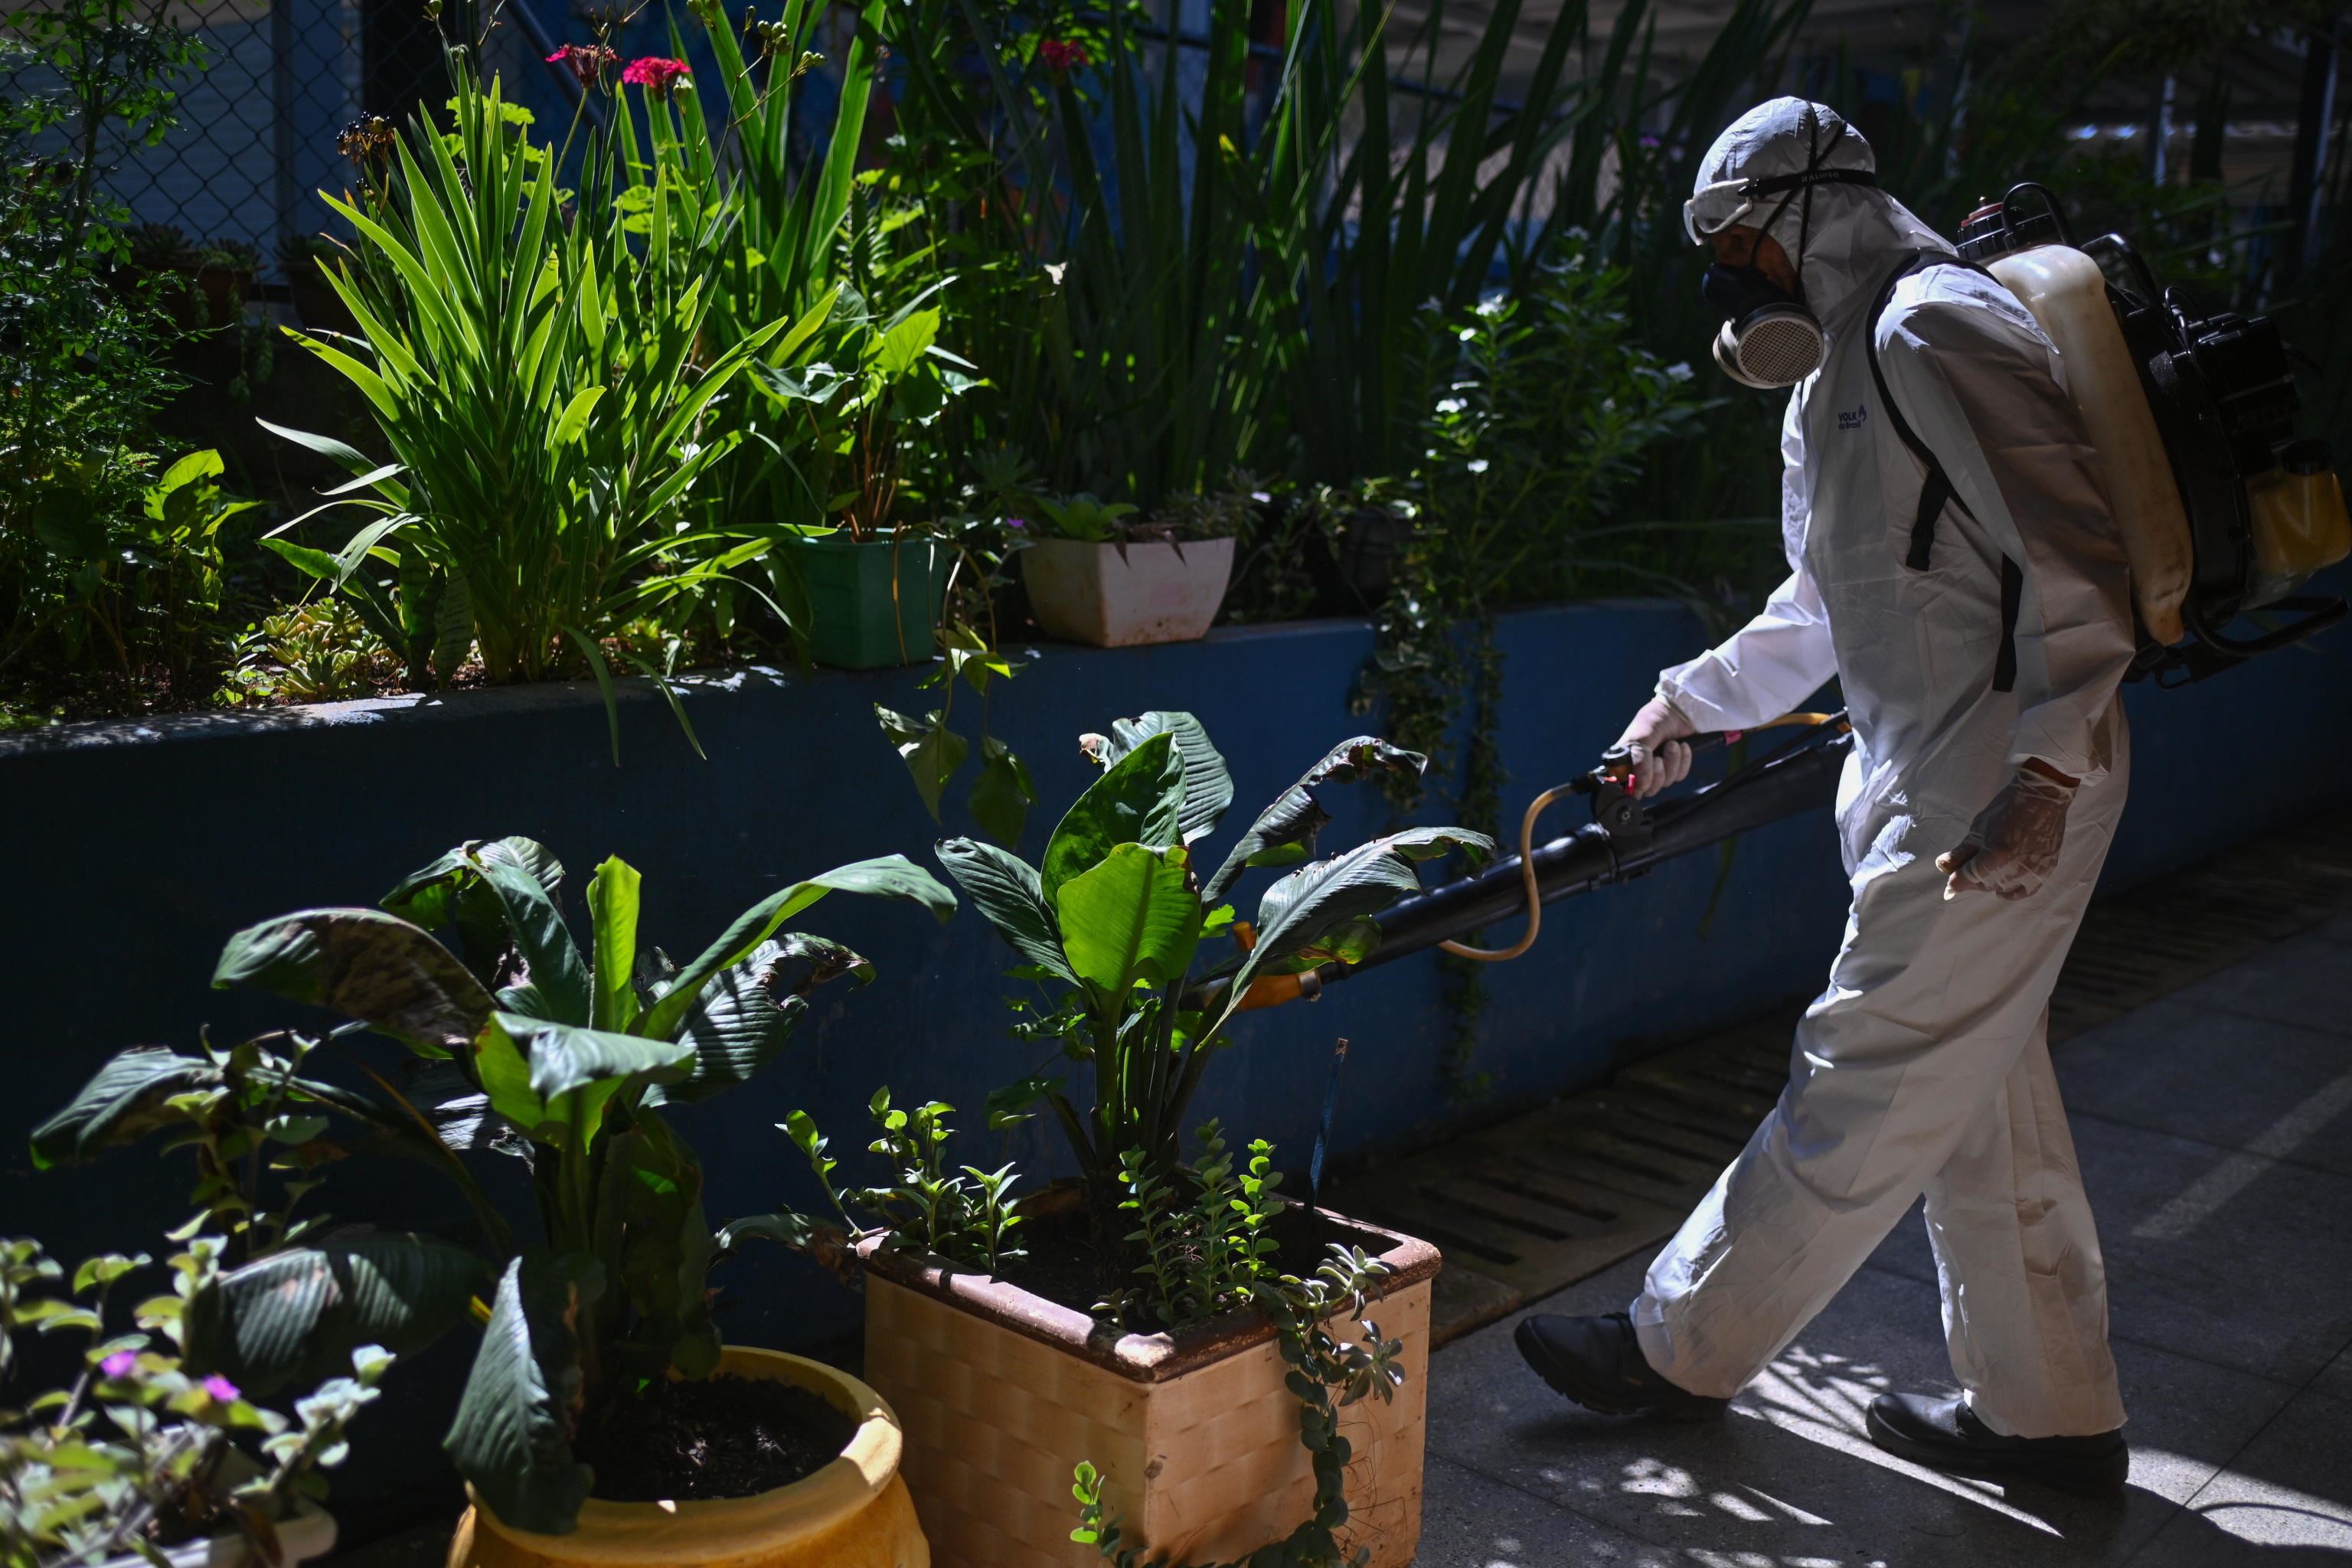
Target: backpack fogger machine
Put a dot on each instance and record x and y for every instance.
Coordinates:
(2226, 515)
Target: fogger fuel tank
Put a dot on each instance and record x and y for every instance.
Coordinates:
(2192, 416)
(2068, 295)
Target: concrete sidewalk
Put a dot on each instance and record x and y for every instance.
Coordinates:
(2215, 1132)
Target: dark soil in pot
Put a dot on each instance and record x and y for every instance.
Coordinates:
(718, 1438)
(1063, 1265)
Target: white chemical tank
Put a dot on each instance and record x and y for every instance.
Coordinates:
(2067, 294)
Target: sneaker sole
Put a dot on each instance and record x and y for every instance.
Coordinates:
(2101, 1477)
(1565, 1381)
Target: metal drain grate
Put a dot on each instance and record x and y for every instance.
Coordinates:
(1562, 1192)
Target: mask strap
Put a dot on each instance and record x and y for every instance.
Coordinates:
(1813, 155)
(1815, 174)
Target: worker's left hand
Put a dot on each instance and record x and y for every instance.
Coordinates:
(1653, 749)
(2013, 847)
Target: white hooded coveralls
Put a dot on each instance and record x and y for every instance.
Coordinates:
(1924, 1067)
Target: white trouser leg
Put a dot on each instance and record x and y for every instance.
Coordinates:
(2025, 1296)
(1931, 1005)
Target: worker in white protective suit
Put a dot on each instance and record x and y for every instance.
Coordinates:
(1954, 566)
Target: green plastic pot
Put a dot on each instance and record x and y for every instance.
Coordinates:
(858, 622)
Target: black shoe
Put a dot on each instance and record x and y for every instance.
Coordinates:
(1945, 1435)
(1597, 1362)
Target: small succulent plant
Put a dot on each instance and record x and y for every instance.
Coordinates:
(155, 246)
(231, 255)
(298, 252)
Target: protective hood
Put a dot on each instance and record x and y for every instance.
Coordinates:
(1852, 233)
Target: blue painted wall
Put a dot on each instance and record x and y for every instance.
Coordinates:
(138, 850)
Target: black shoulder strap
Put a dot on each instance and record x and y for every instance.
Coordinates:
(1937, 491)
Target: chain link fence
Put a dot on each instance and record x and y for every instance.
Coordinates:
(255, 142)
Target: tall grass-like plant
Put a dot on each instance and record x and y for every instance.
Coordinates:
(780, 258)
(1593, 160)
(542, 378)
(1128, 335)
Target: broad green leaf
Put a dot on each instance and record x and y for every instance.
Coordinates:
(554, 971)
(511, 1437)
(295, 1317)
(746, 1014)
(1003, 888)
(886, 876)
(1208, 784)
(932, 751)
(1312, 902)
(1350, 941)
(903, 346)
(1133, 917)
(365, 965)
(552, 1081)
(122, 1104)
(613, 910)
(1139, 799)
(450, 892)
(1285, 832)
(1004, 794)
(198, 465)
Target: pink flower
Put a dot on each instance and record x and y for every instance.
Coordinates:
(121, 1364)
(1062, 54)
(221, 1389)
(589, 62)
(656, 74)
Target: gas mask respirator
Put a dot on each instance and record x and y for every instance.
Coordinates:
(1771, 337)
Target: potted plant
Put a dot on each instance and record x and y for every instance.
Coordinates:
(136, 1460)
(302, 257)
(872, 583)
(600, 1356)
(1177, 1328)
(138, 1456)
(1103, 580)
(198, 286)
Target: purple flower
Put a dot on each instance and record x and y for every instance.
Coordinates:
(121, 1364)
(221, 1389)
(1652, 142)
(1014, 522)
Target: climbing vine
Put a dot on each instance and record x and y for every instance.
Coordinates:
(1538, 414)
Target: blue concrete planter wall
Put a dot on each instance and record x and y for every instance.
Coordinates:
(139, 848)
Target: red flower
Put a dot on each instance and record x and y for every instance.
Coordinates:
(656, 74)
(588, 61)
(1062, 54)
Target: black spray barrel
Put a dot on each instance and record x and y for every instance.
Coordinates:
(1589, 858)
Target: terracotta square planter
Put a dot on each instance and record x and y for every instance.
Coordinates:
(1152, 593)
(1001, 1392)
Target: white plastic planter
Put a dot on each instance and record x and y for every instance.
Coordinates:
(1114, 597)
(302, 1537)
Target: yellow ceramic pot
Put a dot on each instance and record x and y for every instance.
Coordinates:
(854, 1513)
